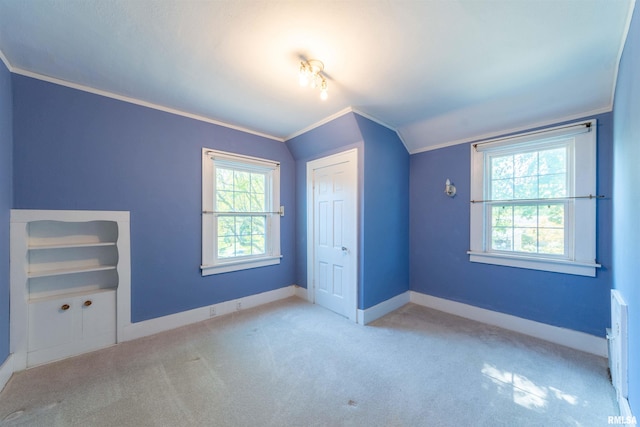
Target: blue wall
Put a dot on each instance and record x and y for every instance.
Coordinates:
(383, 206)
(76, 150)
(626, 197)
(440, 266)
(6, 201)
(385, 231)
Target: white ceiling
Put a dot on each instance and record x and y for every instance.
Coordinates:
(438, 71)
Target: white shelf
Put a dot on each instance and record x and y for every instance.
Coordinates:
(63, 271)
(70, 295)
(70, 246)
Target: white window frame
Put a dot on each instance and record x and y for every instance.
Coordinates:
(580, 217)
(211, 264)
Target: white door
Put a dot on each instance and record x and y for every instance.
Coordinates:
(334, 225)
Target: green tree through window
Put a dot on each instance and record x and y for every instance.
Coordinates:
(521, 220)
(239, 192)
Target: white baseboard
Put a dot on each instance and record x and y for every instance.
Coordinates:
(172, 321)
(301, 292)
(566, 337)
(385, 307)
(6, 370)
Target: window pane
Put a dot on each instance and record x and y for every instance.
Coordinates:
(502, 216)
(243, 246)
(553, 161)
(258, 236)
(525, 240)
(551, 241)
(258, 224)
(553, 185)
(241, 202)
(525, 188)
(240, 191)
(224, 179)
(241, 181)
(257, 202)
(243, 225)
(257, 182)
(502, 189)
(551, 216)
(226, 246)
(525, 164)
(502, 239)
(224, 201)
(226, 226)
(534, 228)
(525, 216)
(502, 167)
(258, 246)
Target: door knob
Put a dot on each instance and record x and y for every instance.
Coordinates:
(87, 303)
(344, 249)
(65, 307)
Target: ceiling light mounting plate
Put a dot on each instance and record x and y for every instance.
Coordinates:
(315, 66)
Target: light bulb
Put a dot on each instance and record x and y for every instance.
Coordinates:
(304, 75)
(323, 92)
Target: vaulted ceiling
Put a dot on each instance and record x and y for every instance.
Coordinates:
(436, 71)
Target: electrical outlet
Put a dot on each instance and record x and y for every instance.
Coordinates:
(238, 306)
(212, 311)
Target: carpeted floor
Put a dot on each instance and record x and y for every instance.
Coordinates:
(291, 363)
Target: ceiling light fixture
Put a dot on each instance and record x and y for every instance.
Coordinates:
(311, 75)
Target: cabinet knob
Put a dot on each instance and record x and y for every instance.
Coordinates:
(65, 307)
(87, 303)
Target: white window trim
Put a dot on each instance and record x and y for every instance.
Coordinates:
(210, 264)
(582, 251)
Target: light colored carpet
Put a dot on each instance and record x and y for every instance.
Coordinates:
(291, 363)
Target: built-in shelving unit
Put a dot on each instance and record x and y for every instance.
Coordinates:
(70, 282)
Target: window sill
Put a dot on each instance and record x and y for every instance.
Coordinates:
(237, 265)
(544, 264)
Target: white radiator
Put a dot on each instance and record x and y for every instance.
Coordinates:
(617, 337)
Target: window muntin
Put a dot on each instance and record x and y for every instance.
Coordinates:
(241, 221)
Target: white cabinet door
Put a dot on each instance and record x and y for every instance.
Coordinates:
(51, 323)
(98, 318)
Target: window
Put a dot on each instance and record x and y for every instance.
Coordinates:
(240, 224)
(533, 200)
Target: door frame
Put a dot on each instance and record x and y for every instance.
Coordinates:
(351, 157)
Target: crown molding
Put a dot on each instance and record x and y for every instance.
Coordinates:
(320, 123)
(6, 62)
